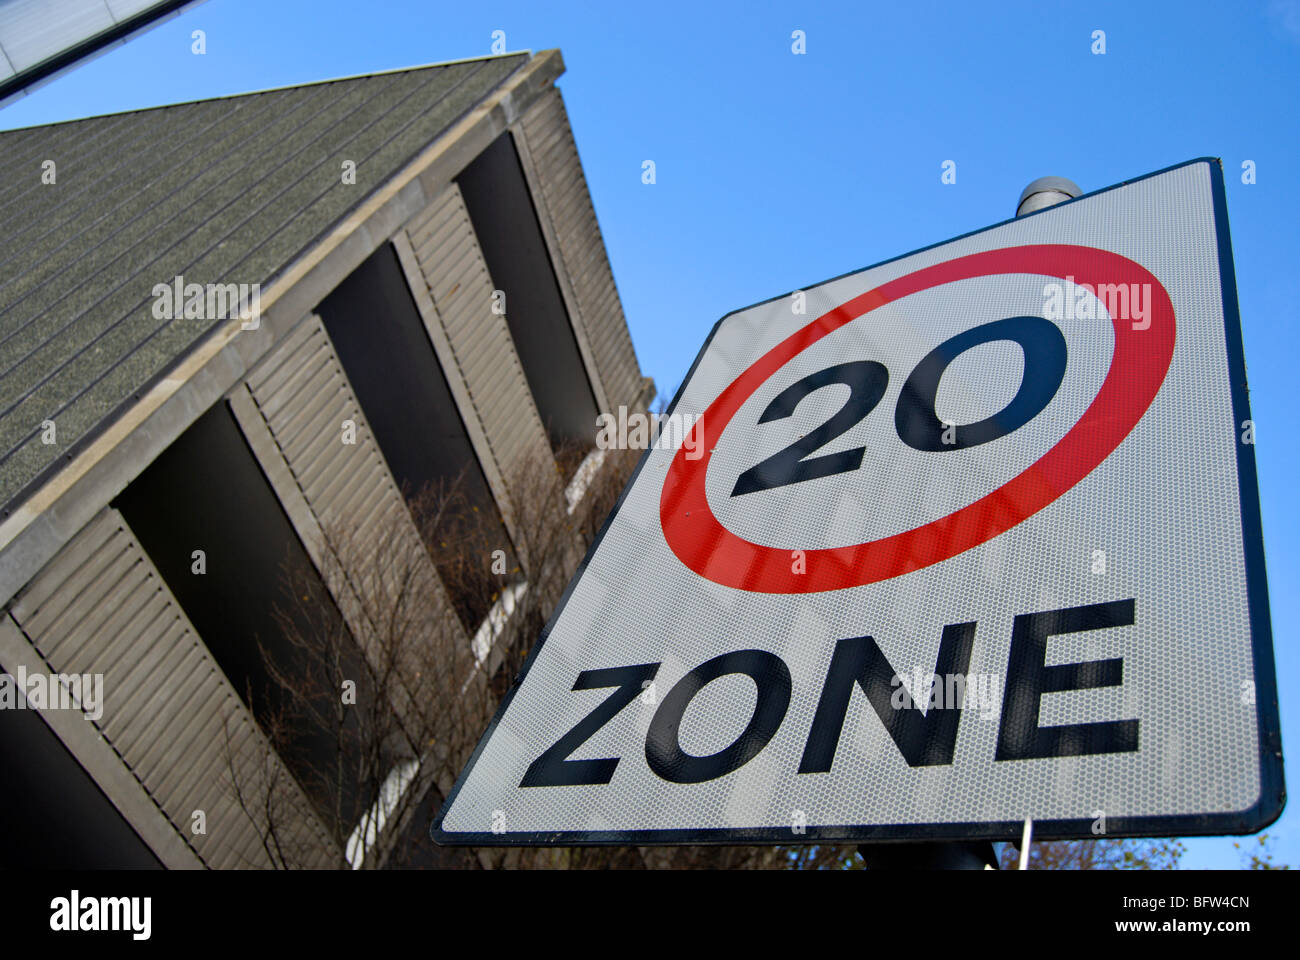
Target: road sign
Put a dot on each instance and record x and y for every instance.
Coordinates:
(964, 538)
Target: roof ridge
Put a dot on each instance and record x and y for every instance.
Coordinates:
(286, 86)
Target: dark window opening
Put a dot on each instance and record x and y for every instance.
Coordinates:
(386, 352)
(260, 606)
(501, 209)
(58, 817)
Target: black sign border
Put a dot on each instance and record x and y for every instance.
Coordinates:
(1272, 795)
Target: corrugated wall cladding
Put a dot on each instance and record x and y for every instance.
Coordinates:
(169, 712)
(461, 290)
(582, 249)
(304, 396)
(370, 553)
(230, 190)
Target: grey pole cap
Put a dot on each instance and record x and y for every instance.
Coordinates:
(1044, 192)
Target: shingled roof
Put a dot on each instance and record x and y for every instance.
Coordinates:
(229, 190)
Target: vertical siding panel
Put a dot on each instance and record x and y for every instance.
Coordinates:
(164, 694)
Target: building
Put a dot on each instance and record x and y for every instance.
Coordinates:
(223, 325)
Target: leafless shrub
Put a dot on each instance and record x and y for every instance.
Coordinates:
(386, 685)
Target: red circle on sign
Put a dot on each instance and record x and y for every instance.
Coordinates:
(1138, 366)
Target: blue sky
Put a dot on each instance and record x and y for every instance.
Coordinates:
(775, 171)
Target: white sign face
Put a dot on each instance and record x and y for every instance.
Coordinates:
(963, 538)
